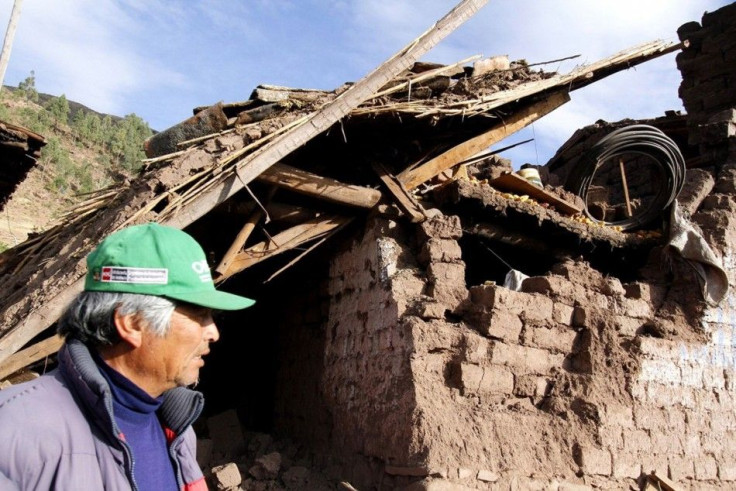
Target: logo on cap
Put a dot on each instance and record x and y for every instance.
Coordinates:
(149, 276)
(203, 270)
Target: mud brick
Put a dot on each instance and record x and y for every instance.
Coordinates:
(538, 308)
(441, 227)
(691, 441)
(636, 307)
(226, 434)
(548, 285)
(727, 469)
(637, 441)
(562, 313)
(612, 438)
(447, 282)
(665, 371)
(500, 324)
(476, 349)
(226, 476)
(706, 468)
(688, 29)
(496, 296)
(440, 250)
(692, 375)
(714, 378)
(680, 468)
(676, 421)
(527, 360)
(649, 418)
(487, 476)
(432, 310)
(627, 326)
(594, 460)
(526, 386)
(496, 380)
(471, 376)
(664, 395)
(654, 462)
(667, 442)
(464, 473)
(658, 348)
(618, 415)
(626, 466)
(559, 340)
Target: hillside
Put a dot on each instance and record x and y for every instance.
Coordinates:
(85, 151)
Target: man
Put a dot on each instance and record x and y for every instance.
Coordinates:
(116, 413)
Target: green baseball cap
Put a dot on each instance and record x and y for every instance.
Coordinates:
(154, 259)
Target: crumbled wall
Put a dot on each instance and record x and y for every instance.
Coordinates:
(577, 381)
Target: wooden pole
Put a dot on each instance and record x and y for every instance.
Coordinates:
(467, 149)
(626, 187)
(8, 43)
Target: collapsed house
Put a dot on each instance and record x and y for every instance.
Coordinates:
(384, 351)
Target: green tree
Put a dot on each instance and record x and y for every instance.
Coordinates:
(58, 107)
(28, 87)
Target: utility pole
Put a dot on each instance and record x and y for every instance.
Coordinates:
(8, 43)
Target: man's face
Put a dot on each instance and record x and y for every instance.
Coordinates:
(175, 359)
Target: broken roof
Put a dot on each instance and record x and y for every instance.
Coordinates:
(363, 146)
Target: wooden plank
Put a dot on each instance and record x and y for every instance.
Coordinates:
(325, 188)
(516, 184)
(468, 148)
(662, 482)
(254, 164)
(32, 354)
(239, 241)
(282, 242)
(404, 200)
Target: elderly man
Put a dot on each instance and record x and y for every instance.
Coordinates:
(116, 414)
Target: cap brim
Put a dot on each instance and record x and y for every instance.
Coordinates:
(214, 299)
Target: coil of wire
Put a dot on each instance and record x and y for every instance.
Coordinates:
(637, 139)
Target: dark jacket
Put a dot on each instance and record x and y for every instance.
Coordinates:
(58, 431)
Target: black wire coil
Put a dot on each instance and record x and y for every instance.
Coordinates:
(635, 139)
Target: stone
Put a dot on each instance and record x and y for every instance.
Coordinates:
(266, 467)
(226, 476)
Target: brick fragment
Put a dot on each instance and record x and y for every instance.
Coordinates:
(500, 324)
(547, 285)
(464, 473)
(593, 460)
(441, 227)
(557, 340)
(487, 476)
(470, 377)
(525, 359)
(680, 468)
(266, 466)
(226, 476)
(706, 468)
(440, 250)
(562, 313)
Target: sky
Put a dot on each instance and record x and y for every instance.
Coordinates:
(159, 59)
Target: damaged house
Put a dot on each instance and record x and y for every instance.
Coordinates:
(427, 318)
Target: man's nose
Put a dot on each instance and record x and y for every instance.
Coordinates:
(212, 334)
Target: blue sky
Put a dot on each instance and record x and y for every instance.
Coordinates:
(159, 59)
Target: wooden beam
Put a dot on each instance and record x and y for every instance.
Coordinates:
(282, 242)
(325, 188)
(239, 241)
(468, 148)
(30, 355)
(404, 200)
(255, 163)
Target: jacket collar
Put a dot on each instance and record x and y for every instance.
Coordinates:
(181, 406)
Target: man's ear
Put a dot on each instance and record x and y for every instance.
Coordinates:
(129, 328)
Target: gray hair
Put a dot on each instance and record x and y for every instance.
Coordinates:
(90, 317)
